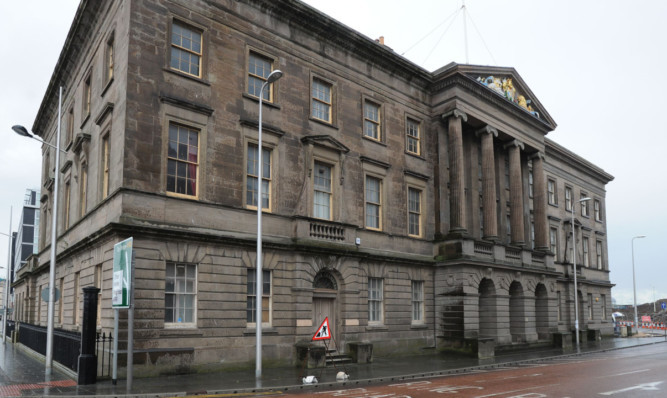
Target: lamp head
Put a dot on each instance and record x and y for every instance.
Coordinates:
(275, 75)
(20, 130)
(639, 237)
(584, 199)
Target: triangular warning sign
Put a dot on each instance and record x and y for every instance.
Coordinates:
(324, 331)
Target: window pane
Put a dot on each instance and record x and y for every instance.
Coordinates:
(180, 292)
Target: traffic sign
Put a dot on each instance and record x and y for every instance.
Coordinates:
(663, 305)
(123, 261)
(323, 332)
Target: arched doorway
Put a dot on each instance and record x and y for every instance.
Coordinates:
(487, 309)
(325, 292)
(542, 312)
(517, 313)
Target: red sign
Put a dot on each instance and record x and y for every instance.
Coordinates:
(324, 331)
(646, 318)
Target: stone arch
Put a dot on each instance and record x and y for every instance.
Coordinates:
(542, 312)
(517, 312)
(325, 279)
(488, 309)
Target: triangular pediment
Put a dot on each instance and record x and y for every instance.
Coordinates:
(326, 142)
(505, 83)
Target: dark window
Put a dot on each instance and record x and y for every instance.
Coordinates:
(28, 234)
(29, 216)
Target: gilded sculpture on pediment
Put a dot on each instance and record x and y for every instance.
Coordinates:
(505, 87)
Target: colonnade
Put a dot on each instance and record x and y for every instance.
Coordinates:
(457, 204)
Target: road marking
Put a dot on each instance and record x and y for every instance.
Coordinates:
(642, 387)
(626, 373)
(513, 391)
(509, 377)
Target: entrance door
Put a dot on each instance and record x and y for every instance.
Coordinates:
(324, 307)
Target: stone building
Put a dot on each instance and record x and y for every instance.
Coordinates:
(414, 209)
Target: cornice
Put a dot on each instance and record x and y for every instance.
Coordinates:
(325, 141)
(265, 127)
(183, 103)
(568, 157)
(366, 159)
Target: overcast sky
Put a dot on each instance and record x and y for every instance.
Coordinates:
(596, 66)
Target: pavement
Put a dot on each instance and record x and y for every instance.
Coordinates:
(22, 373)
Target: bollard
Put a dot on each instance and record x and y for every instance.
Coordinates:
(88, 359)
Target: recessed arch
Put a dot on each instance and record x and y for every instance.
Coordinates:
(542, 312)
(487, 309)
(517, 312)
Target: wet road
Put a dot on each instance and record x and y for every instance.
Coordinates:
(636, 372)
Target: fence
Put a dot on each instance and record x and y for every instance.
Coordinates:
(67, 346)
(103, 347)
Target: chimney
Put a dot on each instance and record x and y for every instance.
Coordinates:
(380, 40)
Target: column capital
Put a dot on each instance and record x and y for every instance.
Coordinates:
(537, 155)
(486, 130)
(455, 113)
(514, 143)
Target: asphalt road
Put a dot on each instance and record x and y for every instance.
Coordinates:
(632, 372)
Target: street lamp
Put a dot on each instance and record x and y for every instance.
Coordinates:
(574, 265)
(9, 264)
(634, 284)
(273, 76)
(20, 130)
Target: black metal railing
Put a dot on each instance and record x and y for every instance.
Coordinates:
(103, 350)
(66, 344)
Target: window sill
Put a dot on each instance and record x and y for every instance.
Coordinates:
(264, 103)
(185, 75)
(323, 122)
(373, 140)
(184, 331)
(85, 119)
(106, 87)
(415, 155)
(181, 196)
(265, 330)
(418, 326)
(553, 204)
(376, 328)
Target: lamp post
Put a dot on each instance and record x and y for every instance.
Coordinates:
(574, 265)
(273, 76)
(9, 266)
(52, 266)
(634, 284)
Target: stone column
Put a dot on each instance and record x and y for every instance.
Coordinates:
(540, 203)
(489, 183)
(516, 192)
(457, 205)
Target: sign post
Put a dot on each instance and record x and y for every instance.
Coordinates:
(122, 296)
